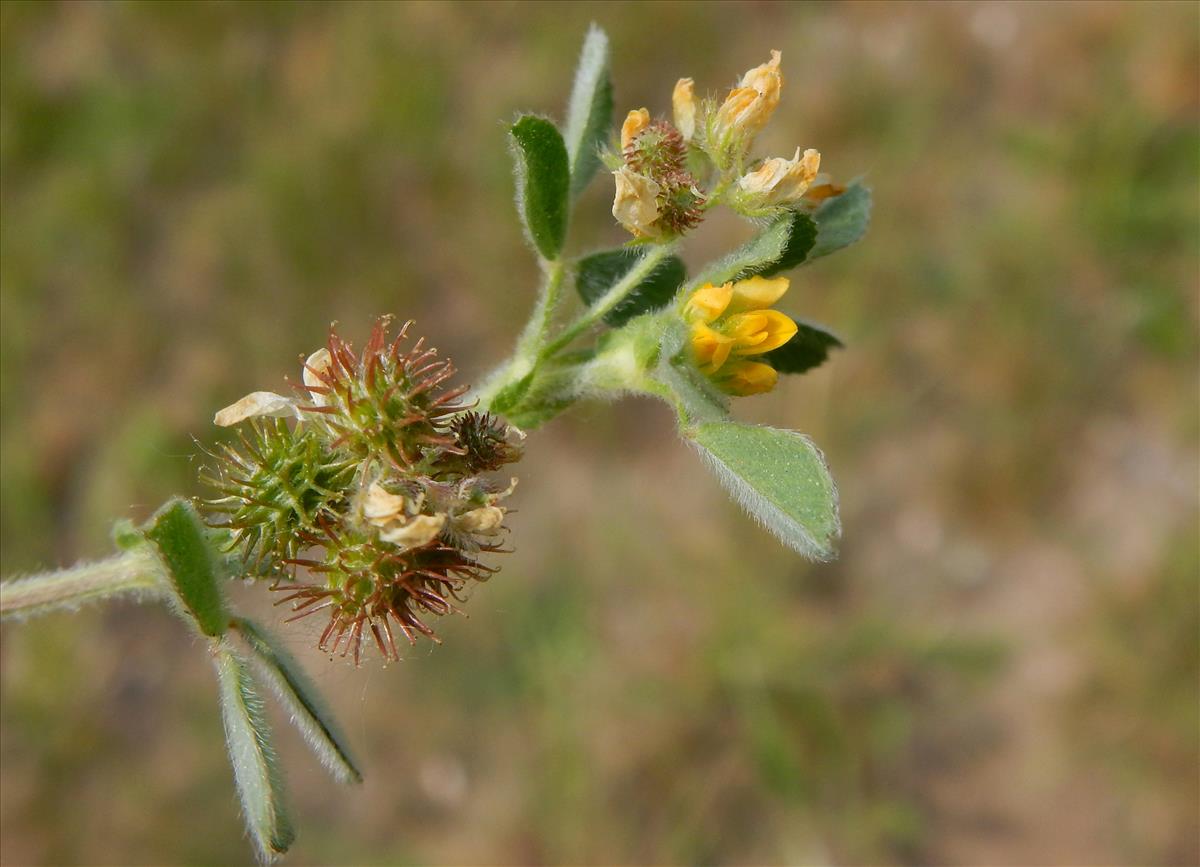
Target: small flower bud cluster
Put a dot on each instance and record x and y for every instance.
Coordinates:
(376, 488)
(657, 195)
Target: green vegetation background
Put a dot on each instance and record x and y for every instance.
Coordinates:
(1001, 668)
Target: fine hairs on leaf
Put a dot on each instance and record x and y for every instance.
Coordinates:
(779, 477)
(543, 183)
(252, 754)
(299, 695)
(589, 111)
(842, 220)
(182, 541)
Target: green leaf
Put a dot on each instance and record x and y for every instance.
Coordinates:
(842, 220)
(779, 477)
(808, 348)
(597, 273)
(252, 754)
(543, 180)
(299, 695)
(800, 241)
(784, 244)
(194, 571)
(589, 113)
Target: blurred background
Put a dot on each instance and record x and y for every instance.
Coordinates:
(1001, 668)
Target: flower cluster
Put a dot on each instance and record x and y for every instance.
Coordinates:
(732, 321)
(658, 195)
(376, 487)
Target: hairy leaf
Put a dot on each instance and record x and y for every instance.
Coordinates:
(252, 753)
(808, 348)
(194, 571)
(589, 112)
(842, 220)
(543, 181)
(779, 477)
(800, 241)
(299, 695)
(783, 244)
(597, 273)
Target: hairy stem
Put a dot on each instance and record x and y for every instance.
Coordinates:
(538, 326)
(135, 572)
(610, 299)
(529, 344)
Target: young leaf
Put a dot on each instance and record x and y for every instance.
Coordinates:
(842, 220)
(800, 241)
(784, 244)
(779, 477)
(299, 695)
(808, 348)
(255, 766)
(185, 549)
(597, 273)
(759, 252)
(589, 113)
(543, 181)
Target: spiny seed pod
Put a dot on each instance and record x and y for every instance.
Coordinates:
(370, 584)
(657, 151)
(485, 444)
(384, 403)
(660, 153)
(374, 488)
(280, 480)
(680, 203)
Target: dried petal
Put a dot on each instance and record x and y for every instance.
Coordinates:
(421, 530)
(257, 403)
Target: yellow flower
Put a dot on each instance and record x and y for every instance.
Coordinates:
(750, 105)
(745, 378)
(635, 122)
(683, 103)
(733, 320)
(636, 203)
(779, 181)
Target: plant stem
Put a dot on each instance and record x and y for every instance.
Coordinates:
(137, 572)
(538, 326)
(525, 355)
(610, 299)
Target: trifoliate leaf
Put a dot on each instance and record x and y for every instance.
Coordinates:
(543, 181)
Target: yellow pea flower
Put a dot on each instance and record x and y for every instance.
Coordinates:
(635, 122)
(744, 378)
(779, 181)
(750, 105)
(735, 320)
